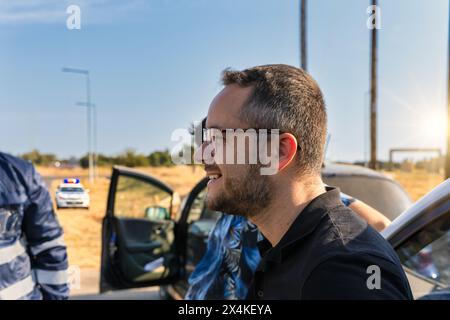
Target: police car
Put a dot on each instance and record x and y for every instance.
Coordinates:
(72, 194)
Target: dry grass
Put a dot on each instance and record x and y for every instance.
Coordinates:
(83, 227)
(418, 182)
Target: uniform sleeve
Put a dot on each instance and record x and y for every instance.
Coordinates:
(354, 277)
(45, 240)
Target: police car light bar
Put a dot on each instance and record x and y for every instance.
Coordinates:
(72, 180)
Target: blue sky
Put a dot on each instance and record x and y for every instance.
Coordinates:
(156, 65)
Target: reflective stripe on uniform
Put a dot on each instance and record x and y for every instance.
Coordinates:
(18, 289)
(11, 252)
(56, 277)
(57, 242)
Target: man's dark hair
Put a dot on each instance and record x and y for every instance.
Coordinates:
(288, 99)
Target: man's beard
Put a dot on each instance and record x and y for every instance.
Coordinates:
(245, 196)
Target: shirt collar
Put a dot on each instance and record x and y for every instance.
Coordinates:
(303, 225)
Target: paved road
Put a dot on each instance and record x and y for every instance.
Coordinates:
(87, 289)
(135, 294)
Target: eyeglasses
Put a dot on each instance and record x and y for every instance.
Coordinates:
(215, 135)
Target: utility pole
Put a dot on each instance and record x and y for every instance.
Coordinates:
(373, 92)
(447, 158)
(303, 36)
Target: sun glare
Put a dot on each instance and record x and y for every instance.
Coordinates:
(433, 127)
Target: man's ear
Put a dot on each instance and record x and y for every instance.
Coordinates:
(288, 150)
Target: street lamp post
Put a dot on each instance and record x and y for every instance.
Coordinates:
(89, 114)
(93, 111)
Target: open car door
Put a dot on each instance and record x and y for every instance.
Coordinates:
(138, 233)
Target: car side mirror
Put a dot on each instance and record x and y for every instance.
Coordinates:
(156, 213)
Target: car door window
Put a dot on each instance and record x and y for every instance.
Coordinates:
(138, 199)
(196, 209)
(426, 254)
(201, 221)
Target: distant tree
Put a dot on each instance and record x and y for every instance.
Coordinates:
(84, 162)
(160, 158)
(40, 159)
(130, 158)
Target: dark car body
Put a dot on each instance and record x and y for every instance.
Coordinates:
(141, 250)
(372, 187)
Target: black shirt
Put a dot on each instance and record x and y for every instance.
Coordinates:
(329, 253)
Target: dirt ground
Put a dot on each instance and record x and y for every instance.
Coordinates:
(83, 227)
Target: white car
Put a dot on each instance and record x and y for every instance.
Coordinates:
(72, 194)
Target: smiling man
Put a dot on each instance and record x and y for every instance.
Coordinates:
(315, 247)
